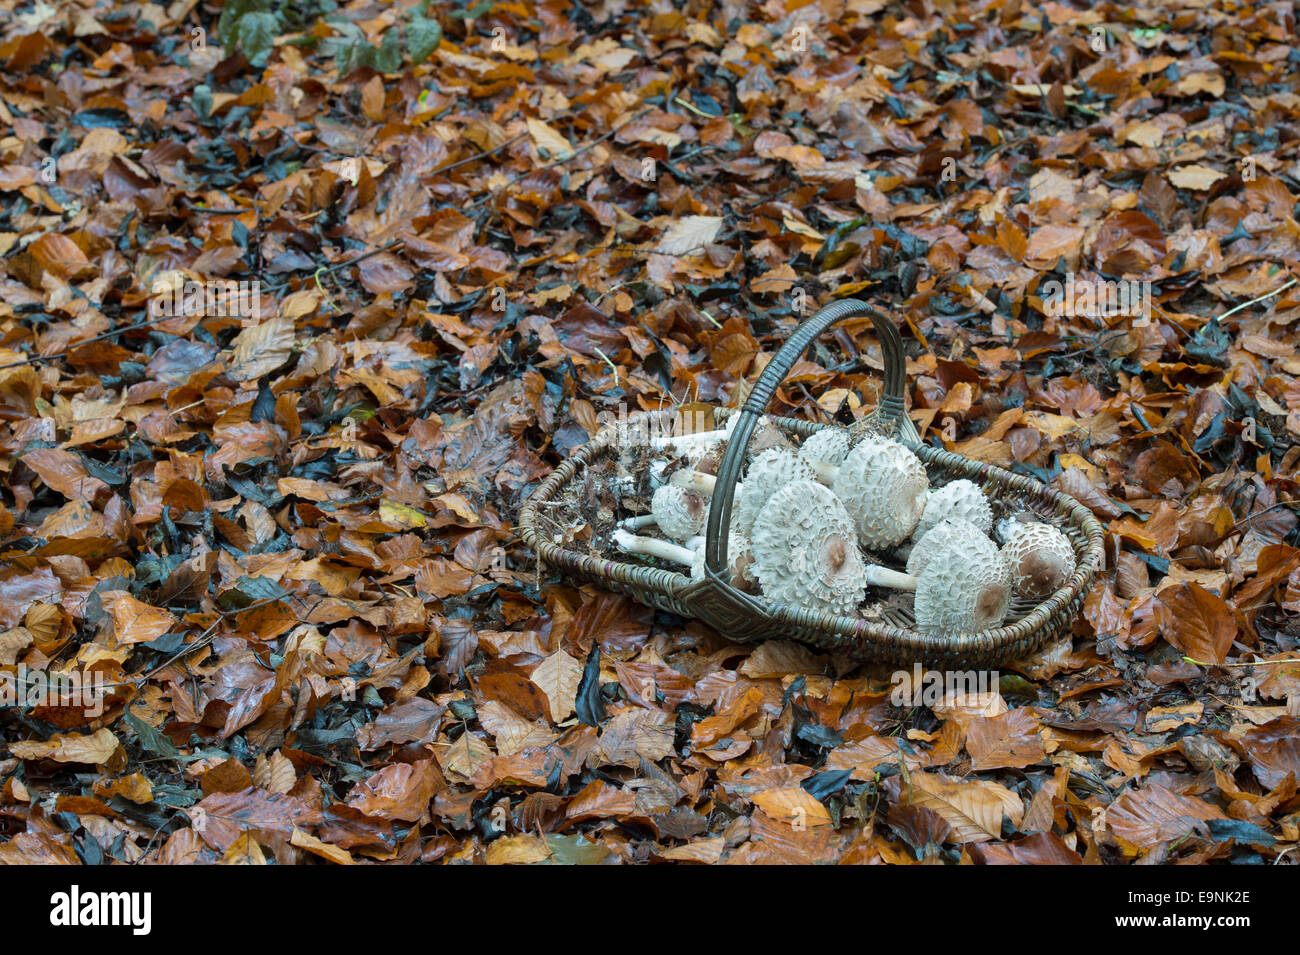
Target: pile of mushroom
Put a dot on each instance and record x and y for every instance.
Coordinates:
(803, 516)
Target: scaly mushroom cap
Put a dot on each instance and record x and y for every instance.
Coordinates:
(1039, 558)
(768, 473)
(766, 436)
(828, 446)
(965, 587)
(960, 498)
(952, 531)
(805, 553)
(679, 512)
(883, 486)
(707, 459)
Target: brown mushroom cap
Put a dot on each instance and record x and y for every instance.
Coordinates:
(805, 552)
(883, 486)
(1039, 557)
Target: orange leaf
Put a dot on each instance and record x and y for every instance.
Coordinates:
(1197, 622)
(794, 806)
(63, 471)
(133, 621)
(1008, 741)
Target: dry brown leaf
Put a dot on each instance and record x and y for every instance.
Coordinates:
(1195, 177)
(134, 621)
(1008, 741)
(1197, 622)
(558, 677)
(274, 773)
(518, 850)
(794, 806)
(245, 850)
(689, 235)
(95, 748)
(974, 808)
(323, 849)
(550, 144)
(262, 348)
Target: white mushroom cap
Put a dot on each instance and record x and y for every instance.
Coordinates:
(768, 472)
(946, 533)
(1039, 558)
(805, 553)
(827, 446)
(964, 588)
(883, 486)
(766, 435)
(679, 511)
(960, 498)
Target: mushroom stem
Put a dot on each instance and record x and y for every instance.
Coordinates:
(704, 483)
(632, 544)
(690, 437)
(636, 523)
(879, 576)
(825, 472)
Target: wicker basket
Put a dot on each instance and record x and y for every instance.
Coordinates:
(744, 617)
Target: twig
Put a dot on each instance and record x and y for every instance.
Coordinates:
(359, 258)
(613, 367)
(1257, 663)
(482, 155)
(1101, 340)
(694, 109)
(214, 212)
(86, 341)
(1238, 308)
(1272, 507)
(203, 640)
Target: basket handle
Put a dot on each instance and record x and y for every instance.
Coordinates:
(888, 415)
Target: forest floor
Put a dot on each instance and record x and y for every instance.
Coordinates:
(298, 306)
